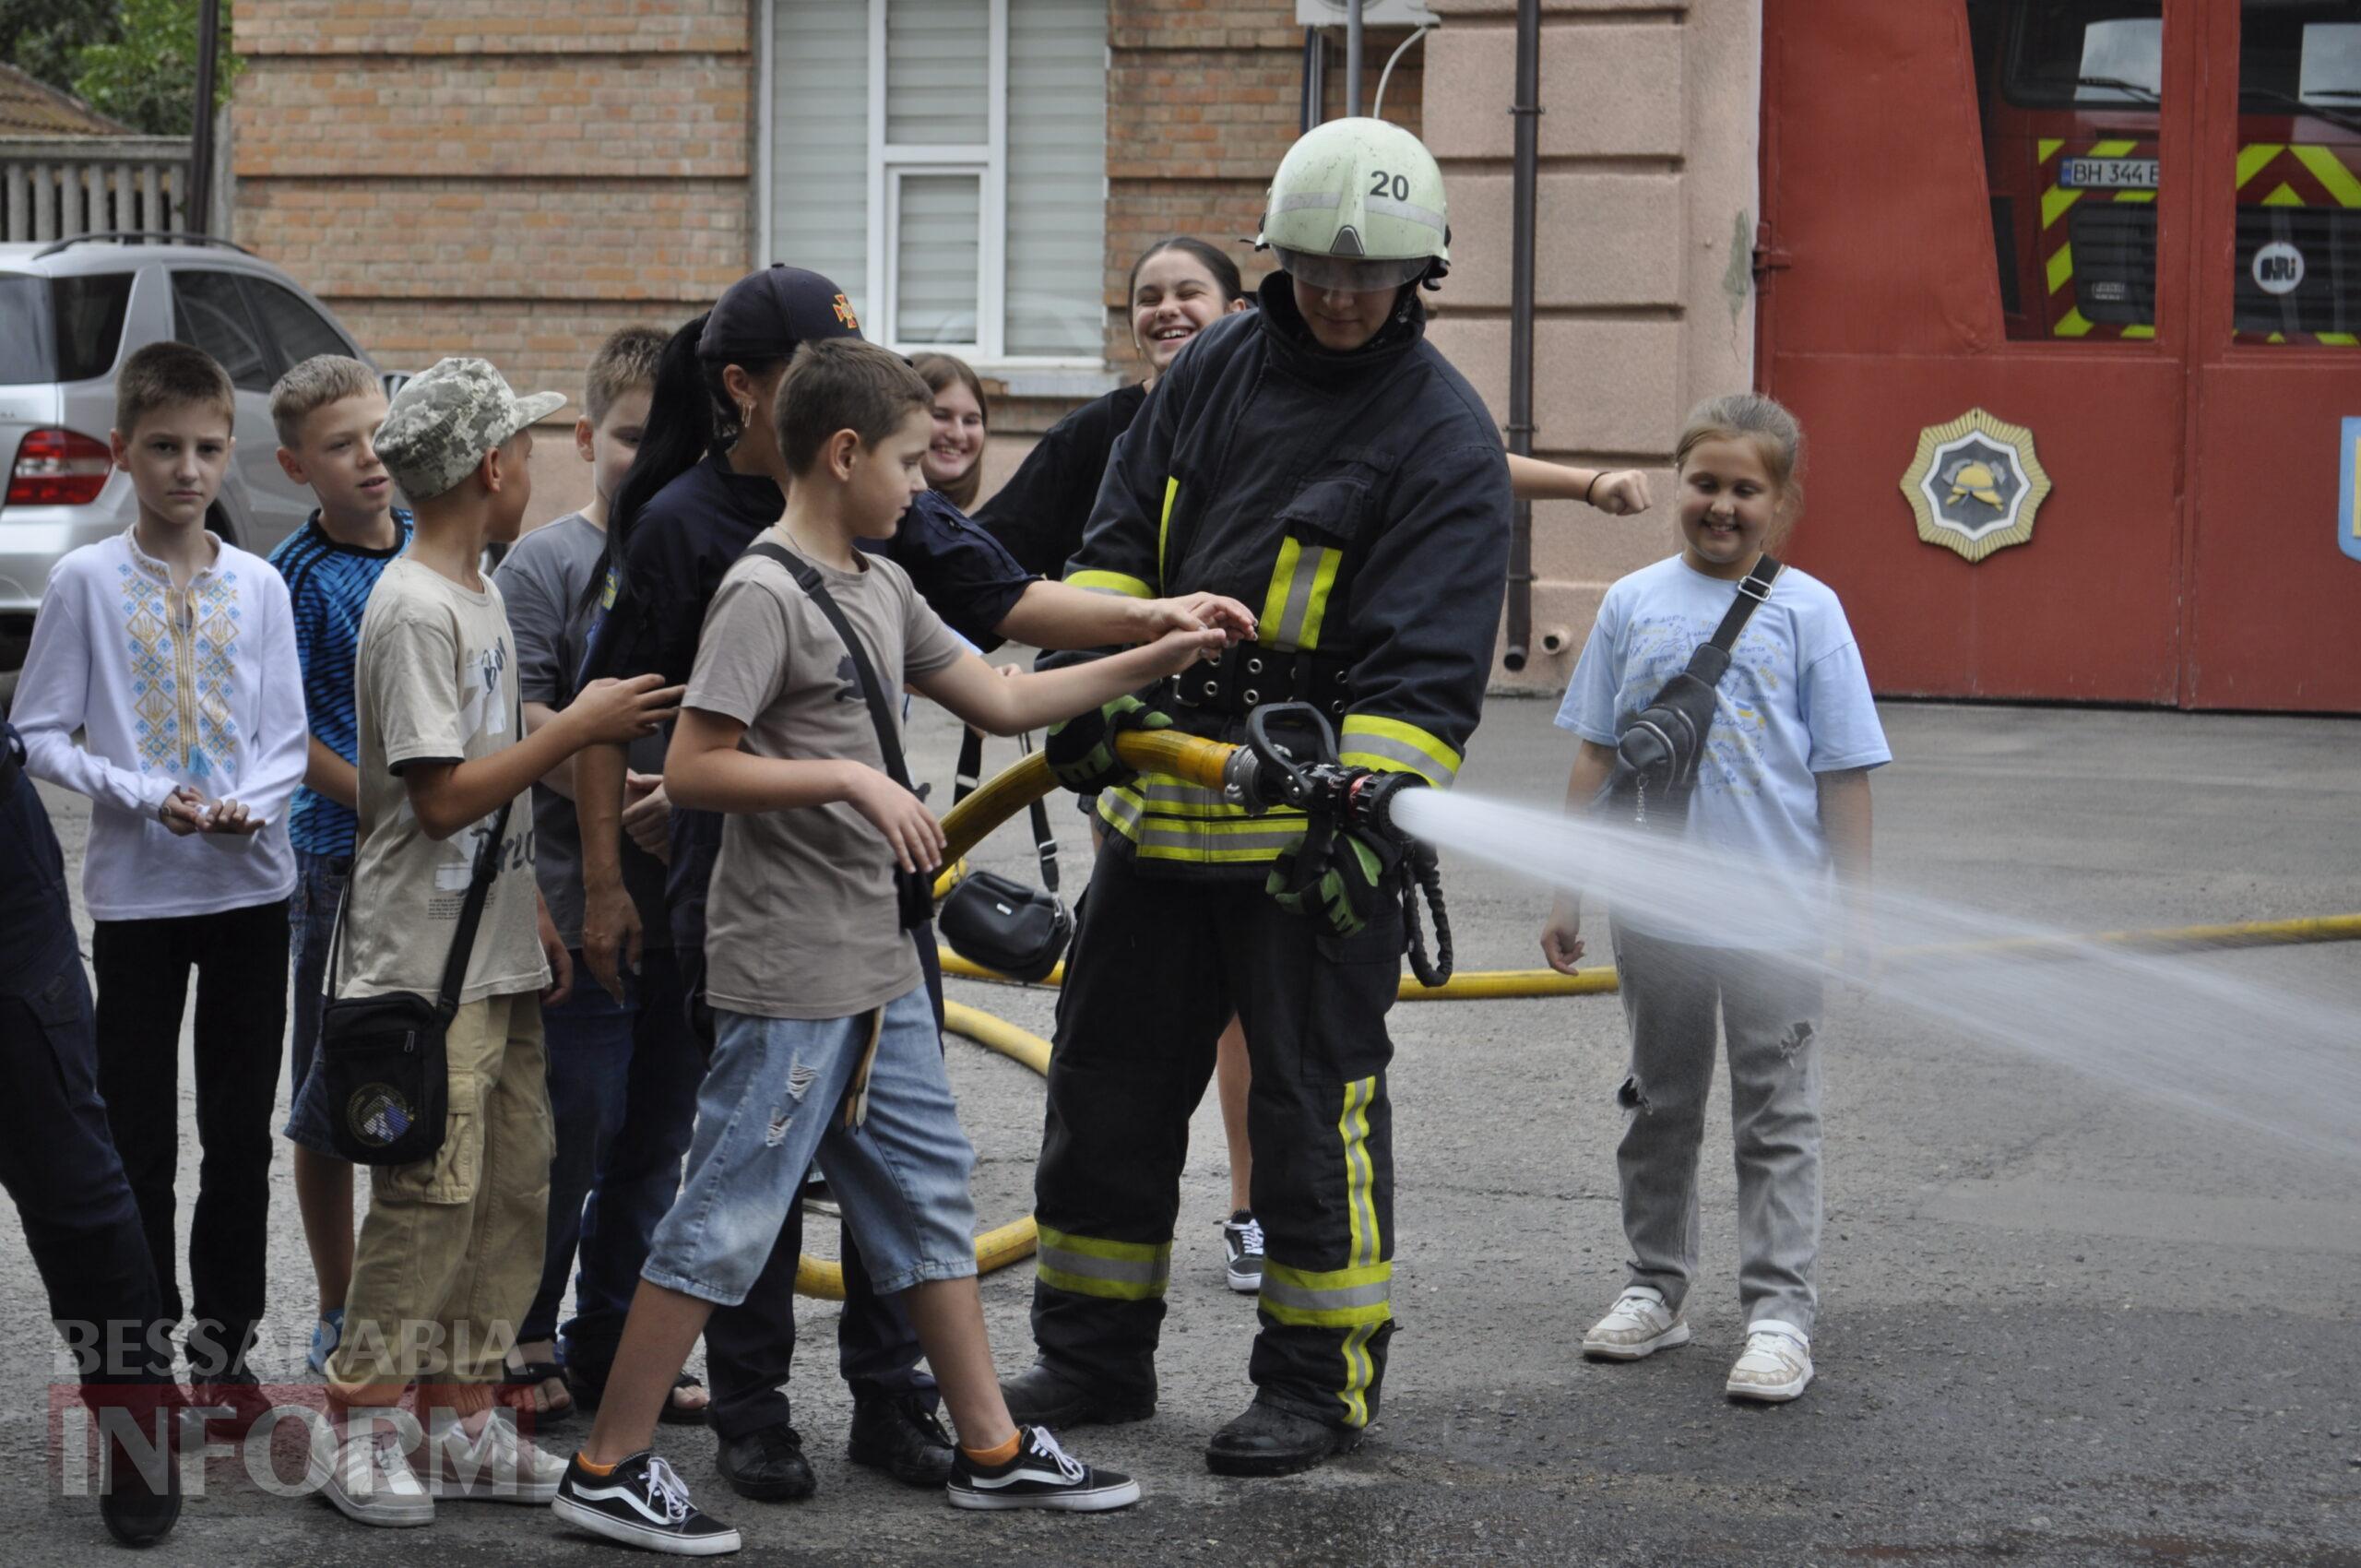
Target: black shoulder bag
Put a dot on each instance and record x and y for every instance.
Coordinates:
(381, 1058)
(996, 921)
(913, 890)
(1656, 756)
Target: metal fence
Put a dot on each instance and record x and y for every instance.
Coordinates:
(50, 189)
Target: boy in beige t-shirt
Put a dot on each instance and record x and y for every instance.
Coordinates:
(449, 1252)
(826, 1042)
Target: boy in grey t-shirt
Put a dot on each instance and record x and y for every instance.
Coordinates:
(826, 1041)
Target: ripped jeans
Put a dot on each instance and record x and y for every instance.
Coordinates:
(772, 1101)
(1769, 1008)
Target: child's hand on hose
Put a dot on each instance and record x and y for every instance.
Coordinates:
(1562, 939)
(1190, 611)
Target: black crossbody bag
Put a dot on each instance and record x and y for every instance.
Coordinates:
(383, 1068)
(913, 891)
(1657, 753)
(997, 920)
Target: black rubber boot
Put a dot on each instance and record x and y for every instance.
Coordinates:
(1041, 1396)
(1267, 1440)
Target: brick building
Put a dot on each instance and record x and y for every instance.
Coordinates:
(519, 177)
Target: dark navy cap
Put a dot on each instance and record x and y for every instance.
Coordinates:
(768, 315)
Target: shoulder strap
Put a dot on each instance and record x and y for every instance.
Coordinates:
(807, 577)
(1751, 591)
(463, 941)
(969, 773)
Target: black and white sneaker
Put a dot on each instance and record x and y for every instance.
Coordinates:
(1241, 1238)
(1041, 1475)
(641, 1502)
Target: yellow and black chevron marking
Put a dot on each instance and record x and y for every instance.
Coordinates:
(2296, 174)
(2058, 250)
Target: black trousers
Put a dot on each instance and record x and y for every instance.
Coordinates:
(1159, 965)
(240, 958)
(750, 1349)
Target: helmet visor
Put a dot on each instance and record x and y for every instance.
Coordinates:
(1351, 274)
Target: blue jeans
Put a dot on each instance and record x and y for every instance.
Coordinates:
(622, 1081)
(310, 927)
(771, 1103)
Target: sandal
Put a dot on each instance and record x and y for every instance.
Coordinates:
(588, 1393)
(520, 1382)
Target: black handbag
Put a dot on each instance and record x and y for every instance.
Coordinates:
(997, 920)
(381, 1058)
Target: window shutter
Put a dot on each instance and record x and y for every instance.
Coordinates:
(819, 141)
(937, 53)
(1057, 178)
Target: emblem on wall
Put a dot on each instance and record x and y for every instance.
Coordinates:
(1975, 484)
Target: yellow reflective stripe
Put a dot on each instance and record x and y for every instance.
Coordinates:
(1360, 1174)
(2111, 149)
(1392, 746)
(2142, 330)
(2135, 195)
(2054, 203)
(2284, 196)
(1344, 1298)
(1164, 524)
(2253, 161)
(2330, 172)
(2061, 268)
(1360, 1371)
(1324, 582)
(1116, 1271)
(2073, 324)
(2047, 147)
(1112, 582)
(1158, 835)
(1275, 603)
(2342, 340)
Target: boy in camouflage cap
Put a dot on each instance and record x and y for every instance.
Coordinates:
(449, 1252)
(441, 424)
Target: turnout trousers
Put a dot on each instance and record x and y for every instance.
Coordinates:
(1158, 967)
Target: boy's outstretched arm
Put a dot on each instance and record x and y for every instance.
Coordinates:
(1060, 615)
(1561, 941)
(1007, 706)
(704, 770)
(447, 796)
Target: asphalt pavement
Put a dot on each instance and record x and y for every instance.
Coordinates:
(2061, 1323)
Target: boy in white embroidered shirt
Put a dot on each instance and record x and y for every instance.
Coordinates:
(173, 651)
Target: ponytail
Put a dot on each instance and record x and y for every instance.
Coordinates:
(679, 433)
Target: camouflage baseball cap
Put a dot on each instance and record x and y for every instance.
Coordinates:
(442, 421)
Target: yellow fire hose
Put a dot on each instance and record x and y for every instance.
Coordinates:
(1200, 762)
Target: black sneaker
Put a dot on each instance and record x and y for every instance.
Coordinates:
(1241, 1238)
(139, 1490)
(897, 1434)
(641, 1502)
(766, 1465)
(1041, 1475)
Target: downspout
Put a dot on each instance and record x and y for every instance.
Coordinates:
(1526, 112)
(1315, 62)
(196, 206)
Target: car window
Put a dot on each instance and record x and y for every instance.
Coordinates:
(60, 328)
(208, 311)
(24, 330)
(300, 331)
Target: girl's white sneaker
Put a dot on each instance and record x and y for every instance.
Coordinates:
(1637, 1325)
(1777, 1365)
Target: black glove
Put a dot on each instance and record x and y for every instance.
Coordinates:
(1081, 751)
(1340, 882)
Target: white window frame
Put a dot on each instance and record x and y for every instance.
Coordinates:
(1037, 374)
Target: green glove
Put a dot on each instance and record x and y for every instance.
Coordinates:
(1341, 892)
(1081, 751)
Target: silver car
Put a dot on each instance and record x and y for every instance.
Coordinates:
(70, 312)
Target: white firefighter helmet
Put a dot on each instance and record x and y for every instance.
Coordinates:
(1357, 204)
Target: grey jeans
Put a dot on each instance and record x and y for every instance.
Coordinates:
(1770, 1009)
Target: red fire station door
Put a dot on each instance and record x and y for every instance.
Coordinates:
(1922, 169)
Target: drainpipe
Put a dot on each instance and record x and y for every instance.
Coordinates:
(1352, 57)
(1315, 62)
(1526, 112)
(196, 210)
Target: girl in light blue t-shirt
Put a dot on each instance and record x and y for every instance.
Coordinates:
(1783, 780)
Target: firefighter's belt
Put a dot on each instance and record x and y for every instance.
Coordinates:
(1249, 674)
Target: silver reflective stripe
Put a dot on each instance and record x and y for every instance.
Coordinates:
(1376, 1293)
(1386, 207)
(1297, 201)
(1421, 762)
(1181, 835)
(1298, 609)
(1122, 1271)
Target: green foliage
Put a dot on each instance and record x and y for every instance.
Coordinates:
(41, 38)
(146, 76)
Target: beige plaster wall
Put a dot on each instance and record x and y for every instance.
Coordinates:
(1644, 233)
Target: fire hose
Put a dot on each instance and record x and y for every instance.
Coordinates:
(1289, 759)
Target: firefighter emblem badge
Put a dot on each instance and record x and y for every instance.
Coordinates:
(1975, 484)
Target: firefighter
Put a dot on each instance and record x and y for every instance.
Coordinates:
(1319, 458)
